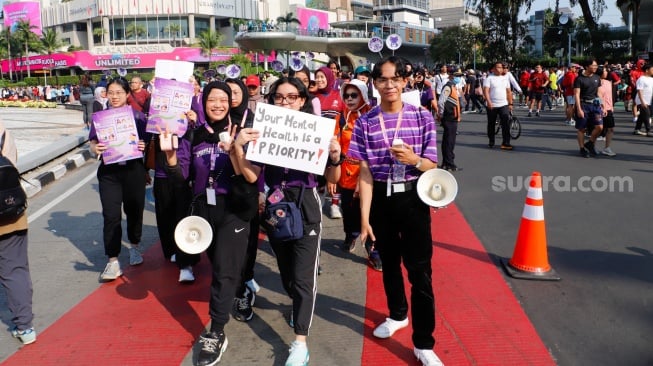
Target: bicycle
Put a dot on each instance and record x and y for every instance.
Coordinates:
(515, 127)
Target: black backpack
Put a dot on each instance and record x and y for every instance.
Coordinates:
(13, 200)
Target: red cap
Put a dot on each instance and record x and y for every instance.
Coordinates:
(253, 80)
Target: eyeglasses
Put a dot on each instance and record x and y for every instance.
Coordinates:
(290, 98)
(385, 81)
(350, 95)
(116, 93)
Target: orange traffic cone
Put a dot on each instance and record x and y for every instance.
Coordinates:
(530, 260)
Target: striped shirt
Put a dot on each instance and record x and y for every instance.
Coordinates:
(417, 130)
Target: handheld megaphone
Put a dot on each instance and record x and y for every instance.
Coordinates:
(193, 234)
(437, 187)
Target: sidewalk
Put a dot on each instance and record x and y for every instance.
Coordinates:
(43, 137)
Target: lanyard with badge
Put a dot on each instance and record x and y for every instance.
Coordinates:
(397, 171)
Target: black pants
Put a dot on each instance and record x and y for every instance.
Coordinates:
(171, 205)
(15, 278)
(351, 212)
(402, 226)
(643, 118)
(252, 251)
(227, 256)
(504, 114)
(448, 143)
(121, 187)
(298, 261)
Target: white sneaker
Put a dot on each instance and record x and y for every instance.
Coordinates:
(253, 285)
(600, 138)
(427, 357)
(608, 151)
(186, 274)
(135, 257)
(334, 212)
(111, 271)
(173, 258)
(389, 327)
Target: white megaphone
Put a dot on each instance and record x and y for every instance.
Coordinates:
(437, 187)
(193, 234)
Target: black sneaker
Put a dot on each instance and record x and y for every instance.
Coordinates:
(375, 260)
(213, 346)
(584, 152)
(349, 245)
(537, 114)
(242, 310)
(589, 145)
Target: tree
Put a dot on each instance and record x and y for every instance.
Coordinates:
(98, 34)
(50, 41)
(288, 19)
(175, 29)
(10, 46)
(453, 42)
(633, 8)
(208, 40)
(24, 32)
(500, 21)
(135, 30)
(597, 7)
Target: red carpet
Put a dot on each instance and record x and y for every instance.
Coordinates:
(479, 321)
(156, 321)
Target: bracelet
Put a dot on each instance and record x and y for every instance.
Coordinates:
(331, 163)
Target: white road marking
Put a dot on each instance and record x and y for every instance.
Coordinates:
(62, 197)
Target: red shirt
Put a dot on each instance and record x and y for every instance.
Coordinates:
(568, 83)
(537, 81)
(524, 79)
(139, 101)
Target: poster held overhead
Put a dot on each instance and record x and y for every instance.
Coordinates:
(171, 69)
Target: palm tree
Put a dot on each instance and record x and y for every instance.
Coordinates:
(51, 43)
(208, 40)
(135, 30)
(175, 29)
(28, 38)
(7, 40)
(288, 19)
(99, 33)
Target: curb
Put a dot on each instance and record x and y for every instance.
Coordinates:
(35, 185)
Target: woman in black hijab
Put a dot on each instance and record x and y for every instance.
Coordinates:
(241, 115)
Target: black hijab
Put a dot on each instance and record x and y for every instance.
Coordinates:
(202, 134)
(237, 113)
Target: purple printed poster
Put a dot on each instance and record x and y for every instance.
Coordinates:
(170, 101)
(116, 128)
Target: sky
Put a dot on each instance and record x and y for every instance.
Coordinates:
(611, 15)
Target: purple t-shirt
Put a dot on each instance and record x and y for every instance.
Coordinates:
(417, 129)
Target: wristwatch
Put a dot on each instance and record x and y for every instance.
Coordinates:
(419, 163)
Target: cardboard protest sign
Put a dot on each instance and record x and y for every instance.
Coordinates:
(116, 128)
(291, 139)
(169, 102)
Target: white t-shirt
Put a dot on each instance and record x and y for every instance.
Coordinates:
(499, 85)
(440, 80)
(645, 84)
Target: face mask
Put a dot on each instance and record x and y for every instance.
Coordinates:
(456, 79)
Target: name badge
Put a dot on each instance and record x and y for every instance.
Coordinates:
(210, 196)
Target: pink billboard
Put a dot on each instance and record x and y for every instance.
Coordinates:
(116, 57)
(312, 20)
(28, 11)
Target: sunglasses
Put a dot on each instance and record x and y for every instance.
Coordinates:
(350, 95)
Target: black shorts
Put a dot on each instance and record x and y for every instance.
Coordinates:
(537, 95)
(608, 121)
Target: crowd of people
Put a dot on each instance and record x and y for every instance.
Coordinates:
(380, 146)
